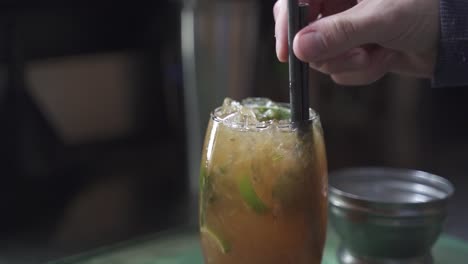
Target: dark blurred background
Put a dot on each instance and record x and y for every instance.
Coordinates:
(103, 110)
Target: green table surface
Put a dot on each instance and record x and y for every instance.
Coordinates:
(182, 246)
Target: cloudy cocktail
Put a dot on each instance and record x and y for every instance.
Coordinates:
(263, 186)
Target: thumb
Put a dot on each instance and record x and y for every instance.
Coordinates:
(331, 36)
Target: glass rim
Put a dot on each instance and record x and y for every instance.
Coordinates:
(284, 124)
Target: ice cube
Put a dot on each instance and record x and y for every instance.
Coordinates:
(257, 101)
(248, 115)
(266, 109)
(234, 113)
(230, 106)
(242, 118)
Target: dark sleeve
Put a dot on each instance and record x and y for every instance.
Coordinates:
(452, 60)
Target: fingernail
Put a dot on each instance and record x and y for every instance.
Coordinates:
(311, 45)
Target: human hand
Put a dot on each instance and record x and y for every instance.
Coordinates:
(358, 43)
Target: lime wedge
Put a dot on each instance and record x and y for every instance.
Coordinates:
(266, 113)
(277, 156)
(202, 178)
(204, 192)
(250, 196)
(216, 239)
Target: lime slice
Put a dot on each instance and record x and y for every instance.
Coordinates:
(277, 156)
(266, 113)
(250, 196)
(204, 193)
(215, 239)
(202, 178)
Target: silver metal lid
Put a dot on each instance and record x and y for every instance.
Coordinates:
(389, 191)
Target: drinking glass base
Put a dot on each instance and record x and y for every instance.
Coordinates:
(346, 257)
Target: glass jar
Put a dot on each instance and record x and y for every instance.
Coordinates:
(263, 191)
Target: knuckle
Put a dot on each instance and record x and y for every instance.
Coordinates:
(327, 38)
(327, 68)
(370, 76)
(319, 66)
(364, 77)
(344, 28)
(340, 79)
(336, 31)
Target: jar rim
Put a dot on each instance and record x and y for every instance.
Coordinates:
(282, 124)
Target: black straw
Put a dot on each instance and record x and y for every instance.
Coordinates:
(298, 70)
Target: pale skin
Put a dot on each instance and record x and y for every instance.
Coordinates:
(357, 43)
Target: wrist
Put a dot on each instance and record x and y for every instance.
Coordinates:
(451, 67)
